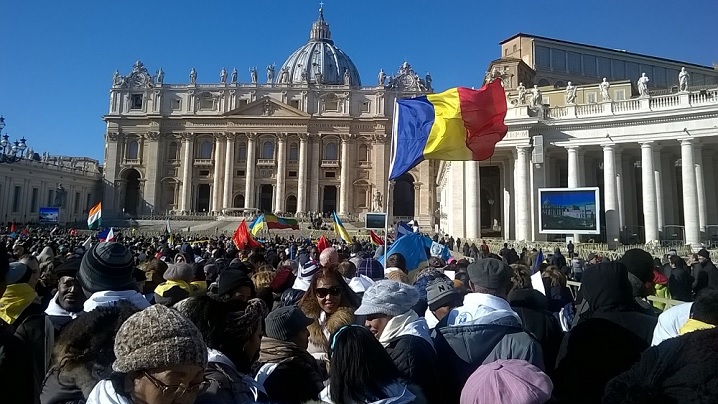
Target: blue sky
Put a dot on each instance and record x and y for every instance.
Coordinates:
(57, 57)
(565, 198)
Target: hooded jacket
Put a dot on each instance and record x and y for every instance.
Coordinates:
(483, 330)
(608, 338)
(682, 369)
(532, 306)
(397, 392)
(227, 384)
(408, 343)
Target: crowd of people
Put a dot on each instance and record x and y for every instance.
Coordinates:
(172, 320)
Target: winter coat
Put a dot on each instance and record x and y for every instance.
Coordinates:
(227, 384)
(412, 351)
(700, 278)
(608, 338)
(324, 326)
(532, 306)
(712, 272)
(55, 391)
(493, 332)
(558, 260)
(680, 284)
(297, 376)
(398, 393)
(680, 370)
(16, 368)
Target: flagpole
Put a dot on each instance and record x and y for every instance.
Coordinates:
(387, 198)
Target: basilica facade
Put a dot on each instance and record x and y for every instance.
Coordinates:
(307, 137)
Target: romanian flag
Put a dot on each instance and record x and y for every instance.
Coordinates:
(340, 230)
(242, 238)
(256, 225)
(94, 218)
(456, 125)
(274, 222)
(375, 239)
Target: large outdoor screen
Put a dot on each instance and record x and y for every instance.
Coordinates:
(569, 211)
(375, 220)
(49, 215)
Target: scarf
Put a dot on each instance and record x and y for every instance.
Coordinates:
(408, 323)
(54, 309)
(165, 286)
(109, 298)
(694, 325)
(480, 308)
(198, 288)
(16, 299)
(104, 393)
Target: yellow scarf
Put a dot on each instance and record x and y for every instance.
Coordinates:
(15, 300)
(199, 288)
(163, 287)
(694, 325)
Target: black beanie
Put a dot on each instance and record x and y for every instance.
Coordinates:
(107, 266)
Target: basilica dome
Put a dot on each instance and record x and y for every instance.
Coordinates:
(319, 61)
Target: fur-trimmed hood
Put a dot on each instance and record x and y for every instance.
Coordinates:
(325, 325)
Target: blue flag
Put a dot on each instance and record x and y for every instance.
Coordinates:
(403, 229)
(411, 247)
(537, 262)
(437, 249)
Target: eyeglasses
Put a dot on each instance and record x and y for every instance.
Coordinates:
(177, 390)
(323, 292)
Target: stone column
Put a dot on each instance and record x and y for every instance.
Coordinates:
(690, 195)
(344, 177)
(507, 200)
(668, 186)
(249, 172)
(187, 171)
(620, 183)
(279, 190)
(700, 186)
(217, 173)
(472, 205)
(456, 201)
(521, 190)
(650, 216)
(610, 201)
(710, 187)
(229, 171)
(302, 176)
(315, 161)
(574, 174)
(658, 181)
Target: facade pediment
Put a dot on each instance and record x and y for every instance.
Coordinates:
(267, 106)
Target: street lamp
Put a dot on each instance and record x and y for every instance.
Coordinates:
(10, 152)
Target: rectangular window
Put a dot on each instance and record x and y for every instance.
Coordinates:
(294, 103)
(365, 106)
(506, 51)
(240, 173)
(545, 100)
(16, 199)
(574, 63)
(632, 70)
(76, 209)
(88, 202)
(591, 98)
(292, 174)
(241, 103)
(558, 60)
(330, 174)
(136, 101)
(604, 68)
(514, 48)
(659, 76)
(33, 200)
(206, 103)
(331, 105)
(176, 104)
(619, 69)
(589, 66)
(543, 57)
(50, 197)
(619, 95)
(204, 173)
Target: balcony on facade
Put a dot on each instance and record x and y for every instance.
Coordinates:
(266, 163)
(203, 162)
(132, 162)
(330, 163)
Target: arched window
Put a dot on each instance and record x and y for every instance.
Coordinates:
(242, 152)
(172, 152)
(293, 152)
(133, 150)
(205, 150)
(268, 150)
(544, 82)
(330, 151)
(363, 152)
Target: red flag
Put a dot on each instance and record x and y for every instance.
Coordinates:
(322, 244)
(12, 228)
(375, 239)
(242, 238)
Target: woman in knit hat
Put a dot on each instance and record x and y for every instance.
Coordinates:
(507, 381)
(160, 359)
(176, 286)
(330, 303)
(387, 306)
(363, 372)
(232, 331)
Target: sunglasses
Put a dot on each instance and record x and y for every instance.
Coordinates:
(323, 292)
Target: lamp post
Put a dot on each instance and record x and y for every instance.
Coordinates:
(10, 152)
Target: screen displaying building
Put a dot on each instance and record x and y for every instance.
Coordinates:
(565, 211)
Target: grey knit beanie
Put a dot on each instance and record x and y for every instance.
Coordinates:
(388, 297)
(158, 337)
(285, 322)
